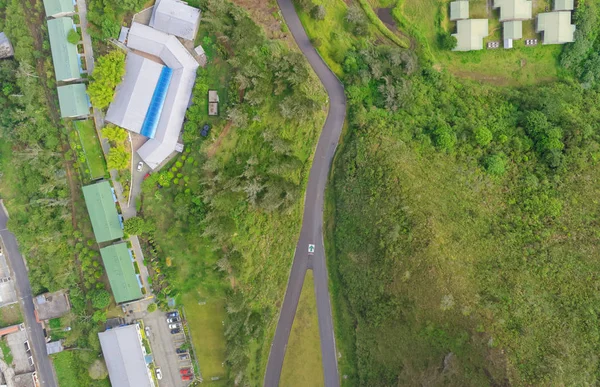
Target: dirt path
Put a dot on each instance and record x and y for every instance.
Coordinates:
(214, 147)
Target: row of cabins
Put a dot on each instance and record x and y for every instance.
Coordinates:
(555, 27)
(72, 97)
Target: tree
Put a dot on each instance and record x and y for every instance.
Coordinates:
(107, 74)
(100, 298)
(114, 134)
(483, 136)
(73, 37)
(118, 158)
(496, 164)
(135, 226)
(318, 12)
(447, 41)
(152, 307)
(99, 316)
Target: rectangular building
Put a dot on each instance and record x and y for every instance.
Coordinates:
(118, 263)
(176, 18)
(470, 33)
(124, 355)
(514, 9)
(459, 10)
(67, 65)
(556, 27)
(59, 8)
(100, 202)
(73, 101)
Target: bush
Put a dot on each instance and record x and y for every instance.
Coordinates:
(152, 307)
(73, 37)
(496, 164)
(318, 12)
(447, 41)
(100, 299)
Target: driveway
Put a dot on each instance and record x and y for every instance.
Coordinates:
(34, 329)
(312, 222)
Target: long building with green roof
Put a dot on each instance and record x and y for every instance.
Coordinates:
(73, 100)
(101, 207)
(58, 8)
(67, 65)
(118, 263)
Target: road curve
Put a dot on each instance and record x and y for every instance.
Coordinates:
(312, 222)
(34, 329)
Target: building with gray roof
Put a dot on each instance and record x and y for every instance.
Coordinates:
(514, 9)
(171, 98)
(125, 357)
(6, 49)
(556, 27)
(459, 10)
(564, 5)
(512, 29)
(176, 18)
(470, 33)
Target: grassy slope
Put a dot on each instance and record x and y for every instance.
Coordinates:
(91, 146)
(302, 366)
(10, 315)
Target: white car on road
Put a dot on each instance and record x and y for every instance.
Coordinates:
(158, 374)
(140, 166)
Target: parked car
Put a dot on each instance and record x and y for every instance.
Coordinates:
(185, 371)
(181, 350)
(185, 356)
(173, 326)
(140, 166)
(173, 314)
(186, 377)
(173, 319)
(147, 330)
(158, 374)
(175, 331)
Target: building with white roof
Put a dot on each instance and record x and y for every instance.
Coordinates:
(459, 10)
(176, 18)
(564, 5)
(152, 98)
(125, 355)
(512, 29)
(514, 9)
(470, 33)
(556, 27)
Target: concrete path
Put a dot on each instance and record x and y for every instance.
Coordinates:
(34, 329)
(312, 222)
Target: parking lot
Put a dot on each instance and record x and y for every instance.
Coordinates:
(164, 349)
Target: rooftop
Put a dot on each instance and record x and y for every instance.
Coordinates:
(124, 356)
(556, 27)
(58, 7)
(121, 273)
(54, 347)
(176, 18)
(64, 54)
(470, 33)
(563, 5)
(101, 207)
(6, 48)
(514, 9)
(73, 100)
(513, 29)
(51, 305)
(459, 10)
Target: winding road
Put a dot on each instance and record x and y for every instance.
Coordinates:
(312, 222)
(34, 328)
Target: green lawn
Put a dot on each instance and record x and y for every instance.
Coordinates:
(66, 371)
(303, 366)
(206, 327)
(6, 354)
(10, 315)
(92, 148)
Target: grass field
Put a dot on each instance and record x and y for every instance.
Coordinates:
(10, 315)
(66, 373)
(424, 19)
(92, 148)
(302, 366)
(206, 327)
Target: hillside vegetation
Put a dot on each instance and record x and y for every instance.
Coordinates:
(463, 241)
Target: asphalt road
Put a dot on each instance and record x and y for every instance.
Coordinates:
(34, 329)
(312, 222)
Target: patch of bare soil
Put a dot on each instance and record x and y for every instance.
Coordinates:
(266, 14)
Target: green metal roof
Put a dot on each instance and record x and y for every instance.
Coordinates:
(121, 274)
(73, 100)
(58, 7)
(101, 207)
(513, 29)
(64, 54)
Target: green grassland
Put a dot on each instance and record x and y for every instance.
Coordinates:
(10, 315)
(302, 366)
(205, 319)
(69, 370)
(91, 146)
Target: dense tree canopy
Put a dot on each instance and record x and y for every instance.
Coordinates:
(107, 74)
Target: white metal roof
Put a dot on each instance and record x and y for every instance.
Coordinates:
(133, 95)
(124, 356)
(514, 9)
(175, 18)
(459, 10)
(556, 26)
(184, 66)
(470, 33)
(563, 5)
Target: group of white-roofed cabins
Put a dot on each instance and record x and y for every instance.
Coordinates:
(160, 72)
(555, 26)
(72, 97)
